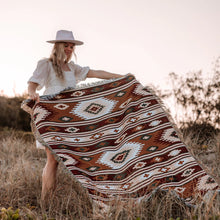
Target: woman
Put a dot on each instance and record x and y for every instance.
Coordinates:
(55, 74)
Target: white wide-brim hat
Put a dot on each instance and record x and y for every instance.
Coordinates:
(65, 36)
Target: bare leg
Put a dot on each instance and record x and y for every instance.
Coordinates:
(49, 175)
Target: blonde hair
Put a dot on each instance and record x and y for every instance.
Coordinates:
(58, 57)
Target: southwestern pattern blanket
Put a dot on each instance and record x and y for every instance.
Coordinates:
(117, 140)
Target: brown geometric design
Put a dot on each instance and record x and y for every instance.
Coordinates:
(94, 108)
(120, 157)
(117, 140)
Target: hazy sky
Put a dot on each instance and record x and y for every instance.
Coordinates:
(149, 38)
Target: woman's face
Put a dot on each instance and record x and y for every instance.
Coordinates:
(68, 49)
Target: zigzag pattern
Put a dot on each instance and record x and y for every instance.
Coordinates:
(116, 139)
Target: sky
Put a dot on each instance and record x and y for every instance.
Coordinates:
(149, 38)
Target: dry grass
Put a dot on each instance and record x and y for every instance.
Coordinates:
(207, 153)
(21, 167)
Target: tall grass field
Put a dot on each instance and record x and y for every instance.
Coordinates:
(21, 166)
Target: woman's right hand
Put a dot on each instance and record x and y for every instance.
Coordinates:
(32, 91)
(34, 96)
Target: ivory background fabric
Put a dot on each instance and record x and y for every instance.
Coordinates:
(117, 140)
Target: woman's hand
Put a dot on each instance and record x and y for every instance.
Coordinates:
(32, 91)
(34, 96)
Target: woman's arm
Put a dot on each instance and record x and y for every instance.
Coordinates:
(32, 91)
(102, 74)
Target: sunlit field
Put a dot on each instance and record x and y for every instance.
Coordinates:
(21, 167)
(196, 111)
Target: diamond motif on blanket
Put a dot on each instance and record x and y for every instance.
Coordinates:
(98, 89)
(102, 144)
(145, 137)
(179, 189)
(187, 172)
(164, 169)
(126, 186)
(97, 136)
(139, 165)
(93, 168)
(111, 120)
(120, 176)
(174, 153)
(114, 84)
(118, 158)
(157, 159)
(58, 96)
(72, 129)
(91, 127)
(146, 175)
(155, 123)
(65, 119)
(119, 140)
(152, 148)
(124, 104)
(117, 130)
(94, 108)
(169, 135)
(133, 119)
(138, 128)
(51, 128)
(206, 183)
(101, 177)
(171, 179)
(144, 104)
(76, 139)
(40, 114)
(67, 160)
(129, 110)
(120, 94)
(61, 106)
(140, 90)
(78, 93)
(86, 158)
(57, 138)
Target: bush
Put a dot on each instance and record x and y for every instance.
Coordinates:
(12, 116)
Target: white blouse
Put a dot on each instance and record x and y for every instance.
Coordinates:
(44, 75)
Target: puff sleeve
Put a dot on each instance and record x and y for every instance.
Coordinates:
(80, 72)
(40, 74)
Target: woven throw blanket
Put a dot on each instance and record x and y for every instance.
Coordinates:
(117, 140)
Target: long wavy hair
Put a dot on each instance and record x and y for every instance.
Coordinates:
(58, 57)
